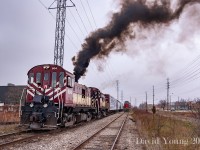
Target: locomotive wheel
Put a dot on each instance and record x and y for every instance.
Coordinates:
(74, 119)
(104, 113)
(99, 115)
(70, 121)
(89, 117)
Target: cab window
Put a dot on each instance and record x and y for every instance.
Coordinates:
(61, 79)
(69, 81)
(30, 77)
(38, 77)
(54, 77)
(72, 82)
(46, 76)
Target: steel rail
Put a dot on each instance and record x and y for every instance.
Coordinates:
(22, 139)
(118, 134)
(13, 133)
(28, 137)
(89, 138)
(16, 141)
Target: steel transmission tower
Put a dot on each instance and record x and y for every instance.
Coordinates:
(60, 31)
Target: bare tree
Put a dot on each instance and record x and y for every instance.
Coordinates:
(163, 104)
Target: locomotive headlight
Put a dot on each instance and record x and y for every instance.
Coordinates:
(31, 105)
(45, 105)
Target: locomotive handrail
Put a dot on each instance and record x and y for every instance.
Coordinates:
(62, 105)
(58, 105)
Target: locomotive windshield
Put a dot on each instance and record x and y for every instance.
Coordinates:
(61, 79)
(54, 77)
(38, 78)
(46, 76)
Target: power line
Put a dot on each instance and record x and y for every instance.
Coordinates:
(96, 71)
(81, 20)
(190, 73)
(187, 74)
(76, 22)
(45, 7)
(108, 76)
(43, 4)
(186, 78)
(86, 14)
(73, 30)
(71, 41)
(188, 81)
(191, 90)
(91, 13)
(187, 70)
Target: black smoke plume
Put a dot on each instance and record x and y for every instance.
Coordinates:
(104, 40)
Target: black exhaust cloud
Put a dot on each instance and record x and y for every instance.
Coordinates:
(133, 12)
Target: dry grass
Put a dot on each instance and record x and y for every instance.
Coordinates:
(8, 128)
(172, 134)
(184, 114)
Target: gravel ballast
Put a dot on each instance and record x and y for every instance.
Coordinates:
(66, 140)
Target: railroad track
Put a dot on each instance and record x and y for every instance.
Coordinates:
(106, 137)
(13, 133)
(29, 135)
(17, 137)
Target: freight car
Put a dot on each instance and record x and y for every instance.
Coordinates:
(114, 105)
(54, 99)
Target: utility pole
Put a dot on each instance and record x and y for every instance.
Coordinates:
(167, 93)
(60, 30)
(170, 102)
(117, 89)
(122, 97)
(135, 102)
(153, 96)
(178, 104)
(154, 108)
(146, 102)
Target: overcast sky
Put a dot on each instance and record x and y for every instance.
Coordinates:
(27, 39)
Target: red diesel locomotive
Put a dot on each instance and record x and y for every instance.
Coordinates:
(127, 106)
(53, 99)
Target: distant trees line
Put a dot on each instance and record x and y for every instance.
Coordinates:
(177, 105)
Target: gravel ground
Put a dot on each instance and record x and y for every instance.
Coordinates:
(127, 140)
(66, 140)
